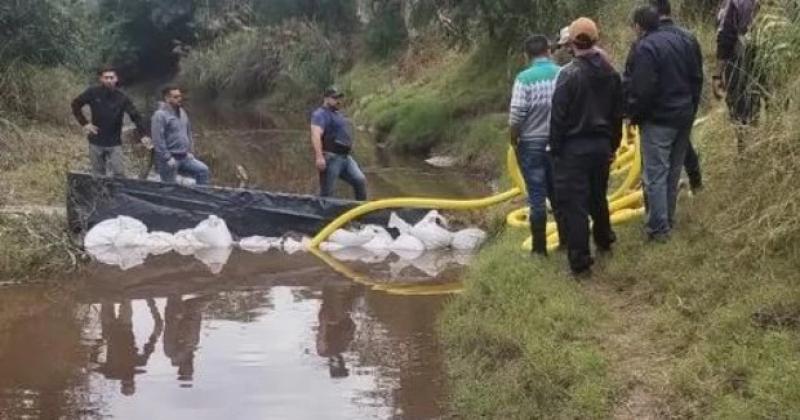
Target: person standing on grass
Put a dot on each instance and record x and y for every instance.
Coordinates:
(735, 77)
(585, 132)
(663, 99)
(529, 122)
(172, 140)
(108, 106)
(332, 139)
(692, 162)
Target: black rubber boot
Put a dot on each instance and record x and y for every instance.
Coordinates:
(539, 233)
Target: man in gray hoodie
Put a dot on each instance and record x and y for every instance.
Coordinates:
(172, 140)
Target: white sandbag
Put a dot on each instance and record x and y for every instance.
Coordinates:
(120, 232)
(409, 254)
(185, 243)
(396, 222)
(330, 247)
(463, 257)
(350, 254)
(406, 242)
(347, 238)
(214, 258)
(381, 241)
(468, 239)
(259, 244)
(159, 243)
(430, 231)
(213, 232)
(291, 246)
(433, 263)
(124, 258)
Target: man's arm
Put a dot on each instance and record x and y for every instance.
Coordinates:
(562, 99)
(136, 117)
(77, 110)
(518, 110)
(643, 83)
(157, 133)
(617, 115)
(698, 76)
(316, 142)
(189, 134)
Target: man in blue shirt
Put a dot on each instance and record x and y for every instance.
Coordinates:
(332, 138)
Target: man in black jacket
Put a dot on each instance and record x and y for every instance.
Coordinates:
(109, 106)
(692, 161)
(585, 132)
(664, 94)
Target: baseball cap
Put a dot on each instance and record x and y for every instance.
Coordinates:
(563, 36)
(584, 31)
(333, 92)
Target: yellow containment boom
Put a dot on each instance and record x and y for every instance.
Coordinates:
(624, 204)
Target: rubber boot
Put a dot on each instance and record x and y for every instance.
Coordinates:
(539, 234)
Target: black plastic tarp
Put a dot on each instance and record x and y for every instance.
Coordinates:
(172, 207)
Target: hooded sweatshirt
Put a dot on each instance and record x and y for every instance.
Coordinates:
(586, 115)
(171, 132)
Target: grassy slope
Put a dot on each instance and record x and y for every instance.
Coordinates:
(703, 327)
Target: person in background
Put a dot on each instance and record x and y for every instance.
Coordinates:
(108, 107)
(692, 162)
(172, 140)
(585, 132)
(562, 54)
(332, 140)
(735, 64)
(529, 123)
(664, 95)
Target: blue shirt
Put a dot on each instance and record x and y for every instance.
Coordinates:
(337, 132)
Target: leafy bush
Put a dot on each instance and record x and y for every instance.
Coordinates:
(386, 32)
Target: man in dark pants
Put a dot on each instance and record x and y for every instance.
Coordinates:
(736, 55)
(692, 162)
(529, 123)
(585, 132)
(332, 139)
(109, 106)
(664, 96)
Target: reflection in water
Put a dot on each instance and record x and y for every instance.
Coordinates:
(336, 327)
(182, 333)
(122, 359)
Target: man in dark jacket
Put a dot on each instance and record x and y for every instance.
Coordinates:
(736, 60)
(109, 106)
(585, 132)
(664, 95)
(692, 162)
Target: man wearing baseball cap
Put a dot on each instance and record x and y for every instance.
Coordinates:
(585, 132)
(332, 139)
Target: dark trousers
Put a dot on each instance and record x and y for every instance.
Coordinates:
(692, 166)
(581, 182)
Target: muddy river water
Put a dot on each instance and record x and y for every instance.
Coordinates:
(271, 336)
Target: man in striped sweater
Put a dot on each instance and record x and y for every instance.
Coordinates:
(529, 121)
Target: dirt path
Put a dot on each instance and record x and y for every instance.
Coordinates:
(635, 359)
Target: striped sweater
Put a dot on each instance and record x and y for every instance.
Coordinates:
(531, 100)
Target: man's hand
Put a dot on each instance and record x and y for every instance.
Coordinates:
(189, 156)
(321, 164)
(91, 129)
(147, 142)
(172, 163)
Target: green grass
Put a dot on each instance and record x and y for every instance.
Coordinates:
(521, 341)
(35, 248)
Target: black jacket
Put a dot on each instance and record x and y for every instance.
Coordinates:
(587, 107)
(664, 77)
(108, 110)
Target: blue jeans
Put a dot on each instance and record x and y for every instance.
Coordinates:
(537, 170)
(188, 166)
(344, 167)
(664, 153)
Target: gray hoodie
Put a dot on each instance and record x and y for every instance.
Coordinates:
(171, 132)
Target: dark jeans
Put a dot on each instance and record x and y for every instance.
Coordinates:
(664, 153)
(346, 168)
(581, 185)
(187, 166)
(692, 165)
(537, 170)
